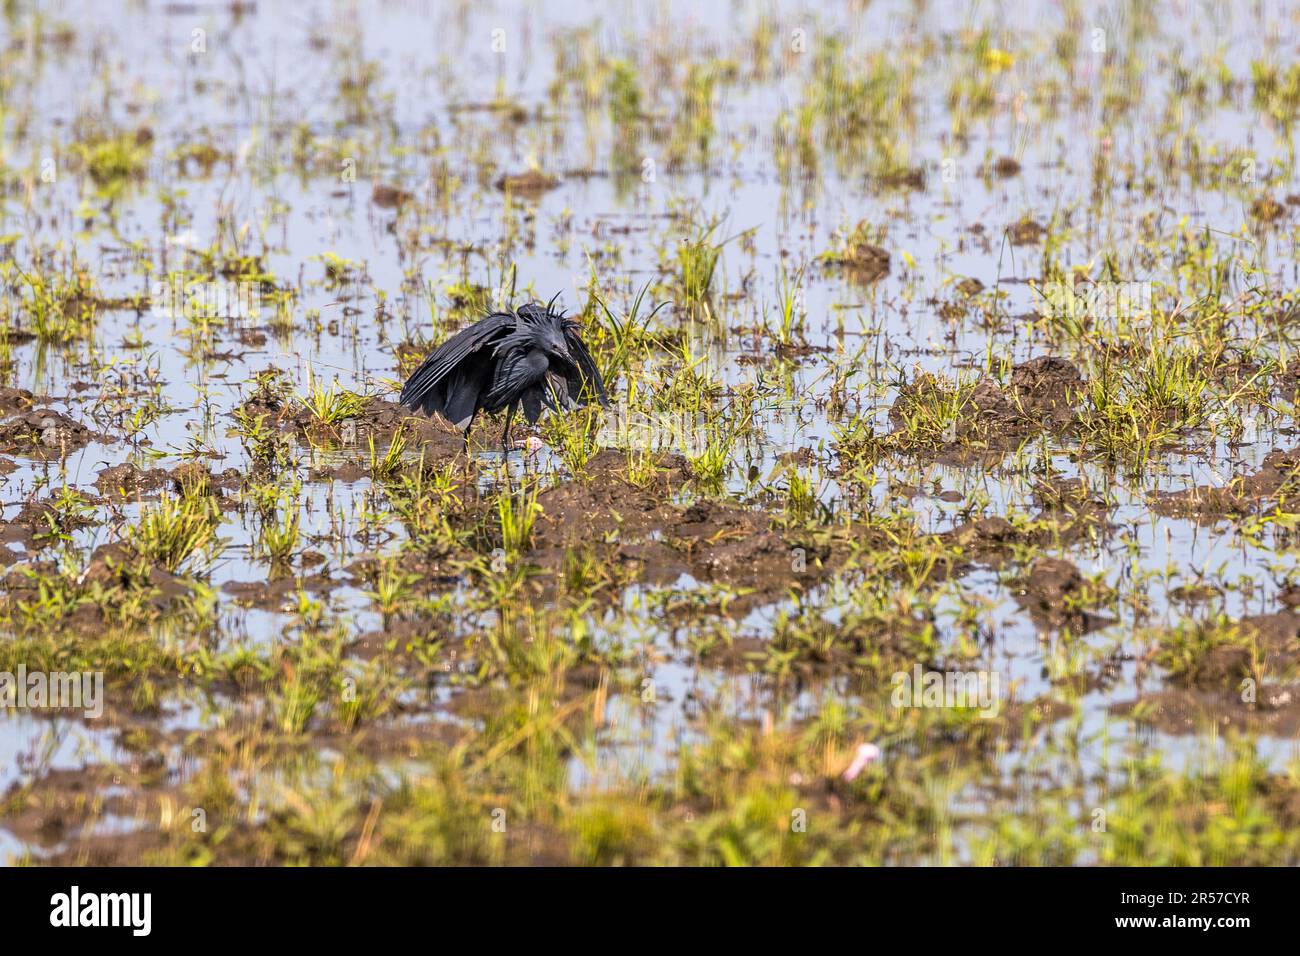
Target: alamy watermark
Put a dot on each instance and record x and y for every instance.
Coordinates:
(53, 690)
(976, 690)
(133, 911)
(657, 430)
(1095, 300)
(215, 298)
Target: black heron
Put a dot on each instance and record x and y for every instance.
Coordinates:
(527, 357)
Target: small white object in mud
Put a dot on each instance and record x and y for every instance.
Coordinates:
(867, 754)
(531, 445)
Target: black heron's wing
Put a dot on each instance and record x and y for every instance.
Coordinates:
(444, 380)
(522, 370)
(588, 381)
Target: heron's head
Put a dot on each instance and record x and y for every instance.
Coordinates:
(557, 348)
(547, 329)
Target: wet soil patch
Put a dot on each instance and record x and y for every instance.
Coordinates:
(1278, 476)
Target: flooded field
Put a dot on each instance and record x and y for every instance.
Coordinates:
(942, 512)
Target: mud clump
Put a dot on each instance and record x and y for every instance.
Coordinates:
(346, 472)
(1026, 232)
(1057, 595)
(988, 532)
(1222, 656)
(994, 539)
(1267, 209)
(47, 518)
(389, 197)
(52, 812)
(531, 184)
(1183, 710)
(1215, 679)
(115, 575)
(1049, 387)
(906, 178)
(1043, 394)
(128, 481)
(1194, 594)
(278, 592)
(194, 479)
(1277, 636)
(656, 541)
(381, 418)
(1006, 166)
(117, 565)
(1207, 503)
(864, 261)
(377, 419)
(43, 432)
(15, 400)
(1071, 495)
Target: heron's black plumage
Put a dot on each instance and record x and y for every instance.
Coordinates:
(528, 358)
